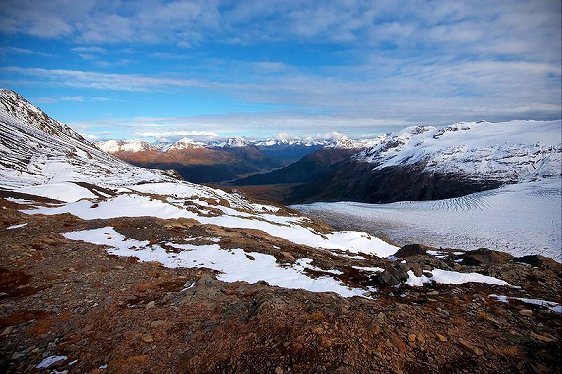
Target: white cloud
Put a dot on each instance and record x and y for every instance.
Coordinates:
(98, 80)
(7, 50)
(442, 61)
(89, 50)
(176, 134)
(80, 99)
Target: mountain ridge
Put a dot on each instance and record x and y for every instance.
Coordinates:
(428, 163)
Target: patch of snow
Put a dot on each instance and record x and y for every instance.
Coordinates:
(452, 277)
(371, 269)
(48, 361)
(235, 264)
(289, 228)
(306, 263)
(13, 227)
(553, 306)
(64, 191)
(19, 201)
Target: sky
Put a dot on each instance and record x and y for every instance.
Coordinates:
(153, 69)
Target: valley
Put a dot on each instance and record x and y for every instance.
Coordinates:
(109, 266)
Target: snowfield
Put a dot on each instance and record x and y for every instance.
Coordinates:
(520, 219)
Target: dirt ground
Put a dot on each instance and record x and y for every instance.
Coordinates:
(112, 314)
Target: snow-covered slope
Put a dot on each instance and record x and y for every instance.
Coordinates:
(430, 163)
(340, 141)
(35, 149)
(506, 151)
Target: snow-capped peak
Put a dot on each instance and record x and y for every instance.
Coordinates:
(115, 146)
(236, 142)
(186, 143)
(504, 151)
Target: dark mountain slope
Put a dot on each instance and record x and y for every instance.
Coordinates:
(308, 169)
(356, 181)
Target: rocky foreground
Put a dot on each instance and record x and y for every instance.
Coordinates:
(69, 306)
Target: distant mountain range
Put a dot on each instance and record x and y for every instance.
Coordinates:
(417, 163)
(224, 160)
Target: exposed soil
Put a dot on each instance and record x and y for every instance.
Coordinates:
(115, 314)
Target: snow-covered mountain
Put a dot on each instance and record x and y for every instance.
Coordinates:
(36, 149)
(345, 142)
(234, 142)
(115, 146)
(186, 143)
(427, 163)
(307, 141)
(339, 141)
(507, 151)
(195, 161)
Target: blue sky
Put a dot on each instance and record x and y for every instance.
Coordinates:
(140, 69)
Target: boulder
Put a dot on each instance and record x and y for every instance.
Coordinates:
(484, 257)
(393, 276)
(410, 250)
(538, 261)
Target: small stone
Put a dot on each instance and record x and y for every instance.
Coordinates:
(471, 347)
(412, 338)
(540, 368)
(7, 330)
(381, 315)
(147, 338)
(433, 293)
(17, 355)
(526, 312)
(119, 267)
(278, 370)
(158, 323)
(543, 338)
(150, 305)
(441, 338)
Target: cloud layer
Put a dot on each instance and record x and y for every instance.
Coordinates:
(316, 64)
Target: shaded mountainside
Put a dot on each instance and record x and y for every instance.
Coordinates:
(288, 153)
(428, 163)
(308, 169)
(237, 157)
(356, 181)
